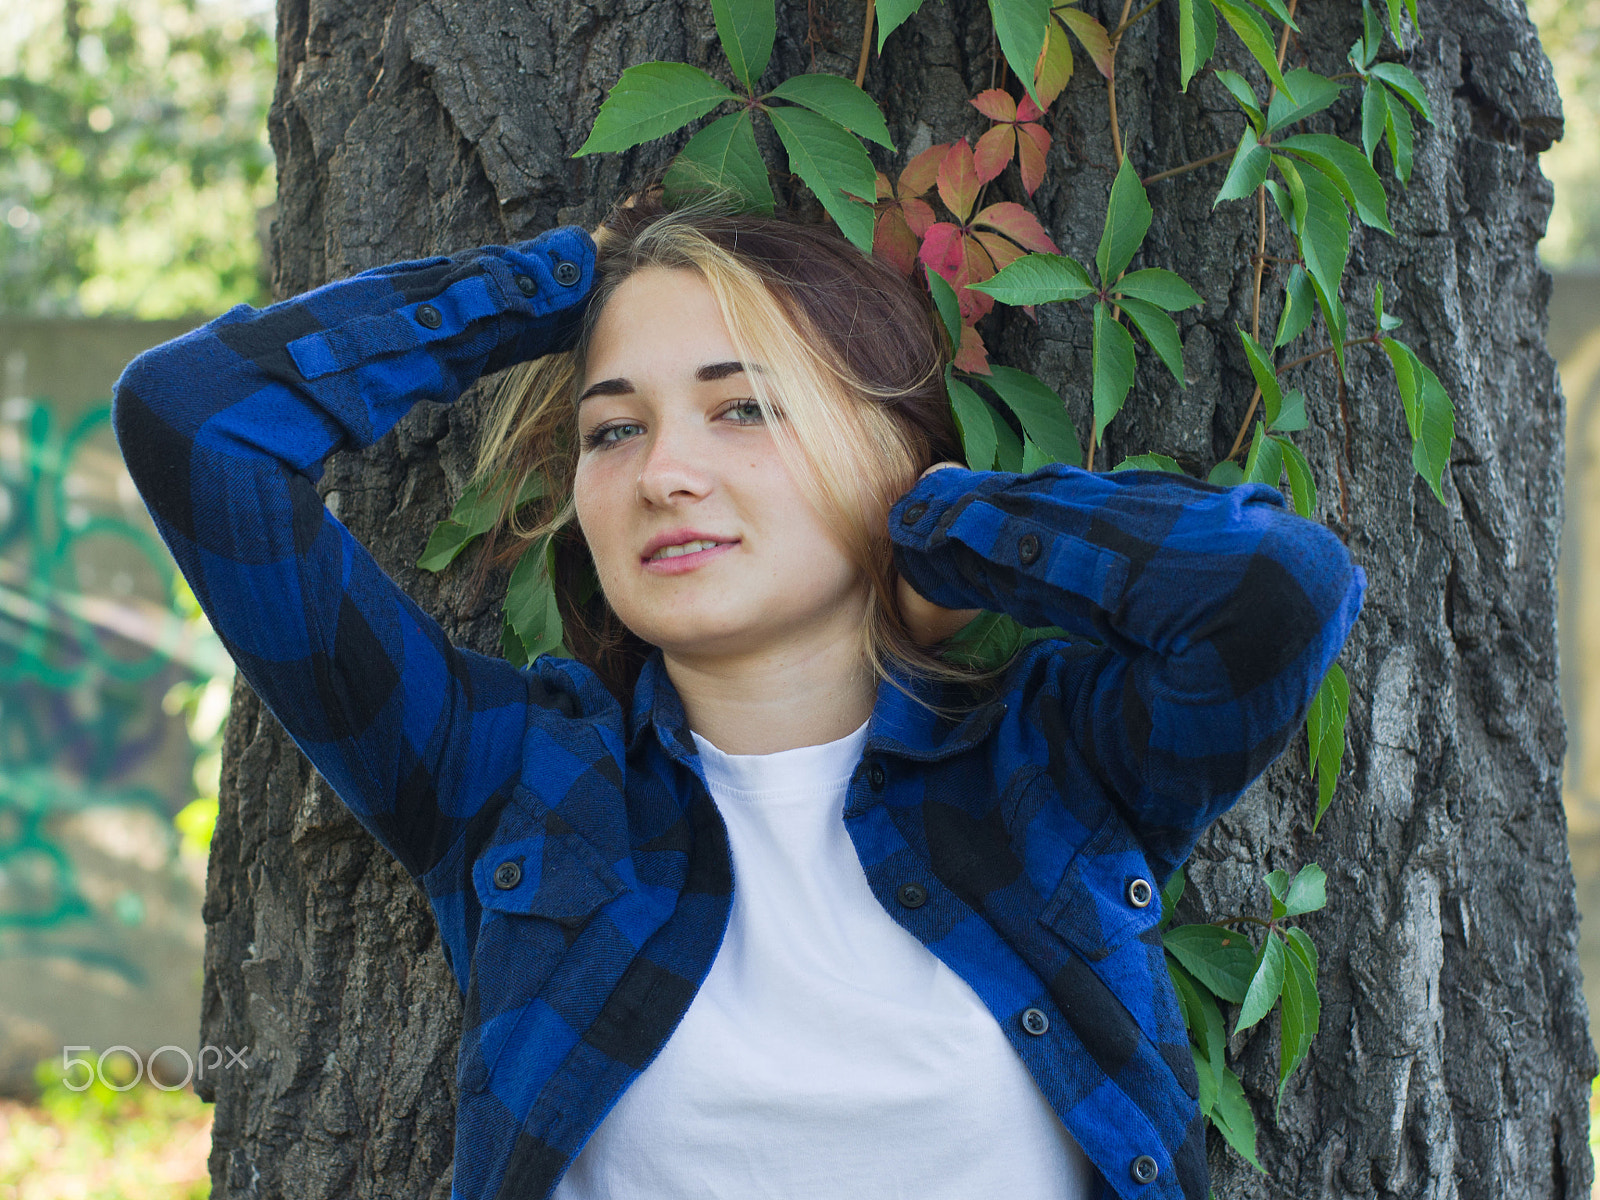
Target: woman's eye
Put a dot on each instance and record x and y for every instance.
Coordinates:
(599, 437)
(753, 405)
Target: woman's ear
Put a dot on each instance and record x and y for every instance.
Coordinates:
(939, 466)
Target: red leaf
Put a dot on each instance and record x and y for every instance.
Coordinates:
(1054, 68)
(996, 104)
(1003, 253)
(919, 215)
(958, 180)
(976, 266)
(884, 191)
(971, 356)
(1018, 224)
(995, 149)
(893, 241)
(1028, 110)
(941, 250)
(1033, 144)
(921, 172)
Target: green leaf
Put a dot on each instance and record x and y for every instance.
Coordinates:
(1037, 279)
(1308, 891)
(1160, 330)
(1265, 985)
(1248, 170)
(1148, 462)
(1008, 446)
(1205, 1079)
(1381, 319)
(1394, 19)
(836, 98)
(1207, 1033)
(1429, 414)
(1313, 94)
(1242, 92)
(1226, 473)
(944, 299)
(1113, 368)
(1045, 423)
(1325, 226)
(474, 514)
(1256, 35)
(746, 29)
(1402, 80)
(723, 155)
(987, 640)
(975, 421)
(1161, 288)
(1299, 1019)
(1197, 37)
(1265, 462)
(1402, 141)
(530, 607)
(1233, 1118)
(1302, 487)
(1278, 887)
(1292, 416)
(831, 162)
(511, 647)
(1033, 458)
(1374, 116)
(1170, 895)
(1283, 201)
(1371, 36)
(1302, 947)
(892, 14)
(650, 101)
(1277, 9)
(1127, 221)
(1299, 308)
(1222, 960)
(1266, 376)
(1325, 723)
(1019, 25)
(1350, 172)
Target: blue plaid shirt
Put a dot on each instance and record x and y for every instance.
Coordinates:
(569, 847)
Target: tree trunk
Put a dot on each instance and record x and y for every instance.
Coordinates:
(1454, 1056)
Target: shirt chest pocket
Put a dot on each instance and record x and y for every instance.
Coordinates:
(1107, 893)
(538, 883)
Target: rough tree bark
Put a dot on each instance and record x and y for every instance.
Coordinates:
(1454, 1055)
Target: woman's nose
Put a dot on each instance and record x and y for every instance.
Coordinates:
(676, 461)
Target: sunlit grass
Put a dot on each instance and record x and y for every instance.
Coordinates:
(101, 1144)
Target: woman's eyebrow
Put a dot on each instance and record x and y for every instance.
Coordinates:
(709, 373)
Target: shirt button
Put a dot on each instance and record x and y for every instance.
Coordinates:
(429, 316)
(912, 895)
(1140, 893)
(567, 273)
(1035, 1021)
(507, 875)
(876, 777)
(1028, 548)
(1144, 1169)
(913, 514)
(526, 285)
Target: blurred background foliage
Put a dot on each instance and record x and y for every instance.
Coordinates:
(134, 162)
(1570, 31)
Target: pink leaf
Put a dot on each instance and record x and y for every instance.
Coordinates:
(958, 180)
(995, 149)
(1033, 144)
(941, 250)
(1018, 224)
(996, 104)
(1028, 110)
(884, 190)
(919, 215)
(893, 241)
(1093, 36)
(1003, 253)
(971, 356)
(921, 172)
(976, 266)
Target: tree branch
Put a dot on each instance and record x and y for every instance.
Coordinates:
(1188, 166)
(866, 42)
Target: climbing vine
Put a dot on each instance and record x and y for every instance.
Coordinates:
(930, 220)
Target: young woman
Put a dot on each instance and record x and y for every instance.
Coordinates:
(756, 896)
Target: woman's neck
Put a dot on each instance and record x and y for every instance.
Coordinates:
(776, 700)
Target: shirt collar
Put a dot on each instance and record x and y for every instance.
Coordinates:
(899, 725)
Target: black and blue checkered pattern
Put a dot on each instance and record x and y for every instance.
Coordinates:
(572, 854)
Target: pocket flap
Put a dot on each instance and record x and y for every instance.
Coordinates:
(538, 865)
(1096, 907)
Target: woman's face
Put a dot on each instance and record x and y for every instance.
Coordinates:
(672, 448)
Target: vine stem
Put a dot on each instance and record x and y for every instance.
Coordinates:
(1135, 19)
(866, 42)
(1255, 399)
(1187, 167)
(1111, 99)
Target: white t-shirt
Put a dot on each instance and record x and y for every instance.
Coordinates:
(829, 1055)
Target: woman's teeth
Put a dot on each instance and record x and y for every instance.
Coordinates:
(685, 548)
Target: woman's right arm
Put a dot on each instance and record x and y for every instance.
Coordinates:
(225, 430)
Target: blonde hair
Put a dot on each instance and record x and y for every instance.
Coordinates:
(854, 360)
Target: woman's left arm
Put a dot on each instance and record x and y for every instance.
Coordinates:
(1220, 611)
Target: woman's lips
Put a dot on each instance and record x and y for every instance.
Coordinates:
(681, 563)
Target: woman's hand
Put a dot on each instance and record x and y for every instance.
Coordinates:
(928, 622)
